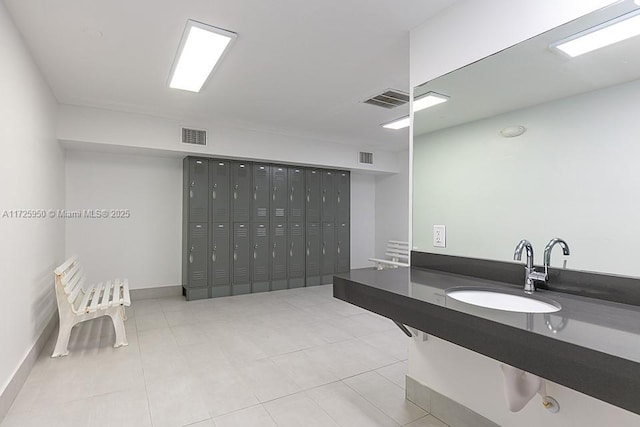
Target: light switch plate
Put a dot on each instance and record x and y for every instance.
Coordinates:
(439, 236)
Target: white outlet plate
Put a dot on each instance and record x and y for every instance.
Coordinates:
(439, 236)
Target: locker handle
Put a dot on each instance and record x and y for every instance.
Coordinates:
(323, 248)
(190, 258)
(213, 257)
(255, 193)
(291, 250)
(191, 194)
(338, 248)
(192, 249)
(308, 253)
(275, 189)
(213, 192)
(255, 255)
(338, 197)
(235, 256)
(235, 192)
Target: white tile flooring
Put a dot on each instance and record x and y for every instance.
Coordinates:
(294, 358)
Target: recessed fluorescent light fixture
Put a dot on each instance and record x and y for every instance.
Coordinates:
(427, 100)
(201, 48)
(605, 34)
(400, 123)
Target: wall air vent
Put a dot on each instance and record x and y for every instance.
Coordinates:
(391, 98)
(194, 136)
(366, 158)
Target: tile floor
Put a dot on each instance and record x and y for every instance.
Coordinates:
(294, 358)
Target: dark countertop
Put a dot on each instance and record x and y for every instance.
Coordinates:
(590, 345)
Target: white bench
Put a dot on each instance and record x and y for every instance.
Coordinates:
(77, 304)
(399, 253)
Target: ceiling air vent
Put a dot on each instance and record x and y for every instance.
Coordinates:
(391, 98)
(366, 157)
(194, 136)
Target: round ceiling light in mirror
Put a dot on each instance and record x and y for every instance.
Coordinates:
(512, 131)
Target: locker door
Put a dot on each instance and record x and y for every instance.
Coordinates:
(296, 253)
(198, 190)
(219, 182)
(220, 260)
(328, 251)
(241, 191)
(313, 201)
(343, 196)
(328, 196)
(312, 259)
(260, 257)
(241, 278)
(197, 258)
(343, 248)
(260, 193)
(296, 195)
(278, 194)
(278, 256)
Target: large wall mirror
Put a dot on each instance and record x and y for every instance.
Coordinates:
(575, 171)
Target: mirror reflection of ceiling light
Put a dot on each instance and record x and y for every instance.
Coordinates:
(427, 100)
(400, 123)
(201, 48)
(605, 34)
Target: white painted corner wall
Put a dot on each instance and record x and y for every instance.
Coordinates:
(145, 247)
(392, 206)
(463, 33)
(32, 177)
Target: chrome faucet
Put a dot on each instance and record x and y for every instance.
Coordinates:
(547, 253)
(531, 275)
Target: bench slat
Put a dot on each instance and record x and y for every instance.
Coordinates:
(389, 262)
(107, 295)
(96, 297)
(62, 267)
(83, 307)
(395, 254)
(76, 291)
(398, 242)
(73, 283)
(125, 291)
(117, 293)
(70, 274)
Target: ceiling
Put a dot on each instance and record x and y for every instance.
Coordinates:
(301, 68)
(530, 73)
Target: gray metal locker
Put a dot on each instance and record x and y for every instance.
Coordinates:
(343, 248)
(219, 186)
(296, 253)
(328, 252)
(278, 256)
(241, 282)
(313, 240)
(240, 191)
(313, 200)
(343, 196)
(220, 261)
(296, 195)
(328, 189)
(278, 211)
(260, 193)
(260, 257)
(198, 190)
(197, 258)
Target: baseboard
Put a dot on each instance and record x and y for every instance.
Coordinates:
(15, 385)
(159, 292)
(446, 410)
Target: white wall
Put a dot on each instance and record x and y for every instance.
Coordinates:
(31, 177)
(363, 222)
(461, 34)
(145, 247)
(392, 206)
(571, 175)
(83, 125)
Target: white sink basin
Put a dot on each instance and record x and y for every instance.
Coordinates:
(491, 298)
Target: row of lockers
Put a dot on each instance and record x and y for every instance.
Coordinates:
(231, 191)
(259, 257)
(252, 227)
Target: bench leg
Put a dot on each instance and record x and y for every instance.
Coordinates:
(62, 344)
(118, 324)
